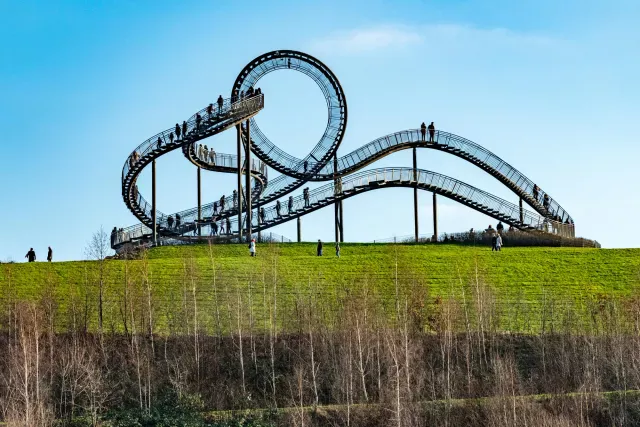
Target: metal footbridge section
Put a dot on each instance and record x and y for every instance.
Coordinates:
(344, 173)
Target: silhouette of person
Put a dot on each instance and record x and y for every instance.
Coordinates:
(221, 228)
(185, 128)
(423, 132)
(220, 104)
(222, 203)
(198, 121)
(432, 132)
(209, 111)
(170, 222)
(262, 215)
(31, 255)
(177, 220)
(305, 193)
(171, 138)
(499, 227)
(319, 248)
(290, 204)
(306, 166)
(536, 192)
(177, 131)
(50, 254)
(214, 228)
(215, 208)
(278, 208)
(228, 226)
(159, 142)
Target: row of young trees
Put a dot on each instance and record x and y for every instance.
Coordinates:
(402, 360)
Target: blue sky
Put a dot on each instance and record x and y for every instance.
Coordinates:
(551, 88)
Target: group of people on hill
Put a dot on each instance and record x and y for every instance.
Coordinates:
(252, 248)
(31, 255)
(432, 132)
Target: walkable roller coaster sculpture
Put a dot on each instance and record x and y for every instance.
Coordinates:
(255, 207)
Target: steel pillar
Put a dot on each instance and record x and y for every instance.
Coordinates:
(415, 194)
(435, 218)
(336, 186)
(154, 207)
(199, 201)
(239, 147)
(299, 230)
(521, 212)
(247, 182)
(341, 219)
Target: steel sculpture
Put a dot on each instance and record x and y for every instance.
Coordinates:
(344, 174)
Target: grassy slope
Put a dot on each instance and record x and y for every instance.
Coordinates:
(518, 275)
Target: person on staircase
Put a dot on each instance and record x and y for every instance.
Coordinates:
(200, 154)
(159, 143)
(198, 121)
(171, 138)
(432, 133)
(278, 208)
(545, 201)
(305, 165)
(228, 226)
(209, 111)
(212, 156)
(205, 154)
(262, 215)
(185, 128)
(423, 132)
(215, 208)
(536, 192)
(178, 131)
(290, 205)
(235, 198)
(500, 227)
(178, 221)
(305, 194)
(220, 104)
(222, 201)
(170, 222)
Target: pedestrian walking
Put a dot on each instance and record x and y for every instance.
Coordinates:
(31, 255)
(50, 254)
(319, 248)
(252, 247)
(498, 242)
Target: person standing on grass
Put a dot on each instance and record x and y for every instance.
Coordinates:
(319, 247)
(50, 254)
(498, 242)
(31, 255)
(494, 243)
(338, 249)
(252, 247)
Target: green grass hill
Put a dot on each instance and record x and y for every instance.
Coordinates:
(220, 281)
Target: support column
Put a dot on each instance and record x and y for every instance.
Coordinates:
(154, 207)
(299, 229)
(341, 218)
(247, 182)
(199, 201)
(521, 212)
(336, 204)
(415, 194)
(258, 221)
(239, 147)
(435, 217)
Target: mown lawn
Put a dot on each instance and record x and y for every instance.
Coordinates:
(224, 279)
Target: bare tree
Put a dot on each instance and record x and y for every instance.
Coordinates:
(98, 249)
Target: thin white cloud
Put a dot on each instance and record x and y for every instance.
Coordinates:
(367, 40)
(385, 37)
